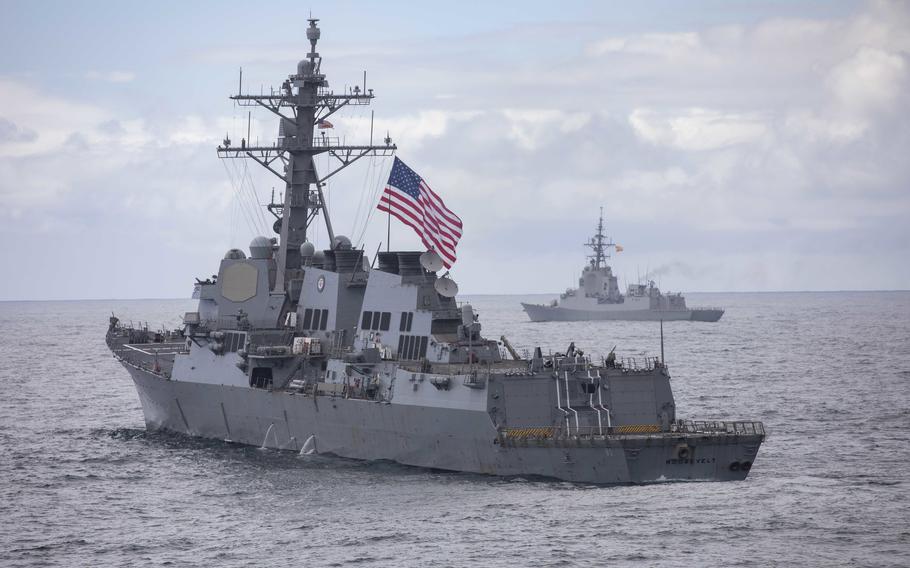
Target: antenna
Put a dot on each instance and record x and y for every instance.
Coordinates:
(663, 361)
(446, 287)
(599, 244)
(375, 256)
(431, 261)
(304, 95)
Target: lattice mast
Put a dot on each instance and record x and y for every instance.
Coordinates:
(600, 245)
(302, 103)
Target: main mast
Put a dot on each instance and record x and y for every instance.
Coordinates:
(303, 101)
(599, 244)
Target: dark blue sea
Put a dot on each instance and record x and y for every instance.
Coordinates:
(83, 484)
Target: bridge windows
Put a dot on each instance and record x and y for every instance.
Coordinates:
(412, 346)
(315, 319)
(407, 318)
(324, 321)
(233, 341)
(376, 321)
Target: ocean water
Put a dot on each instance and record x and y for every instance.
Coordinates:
(83, 484)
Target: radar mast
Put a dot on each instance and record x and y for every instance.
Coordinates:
(600, 245)
(302, 104)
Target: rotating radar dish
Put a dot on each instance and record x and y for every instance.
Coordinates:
(446, 287)
(431, 261)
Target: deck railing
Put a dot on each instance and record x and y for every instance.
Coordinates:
(561, 362)
(563, 432)
(721, 427)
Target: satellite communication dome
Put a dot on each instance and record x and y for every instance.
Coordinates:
(446, 287)
(431, 261)
(341, 242)
(235, 254)
(307, 250)
(304, 67)
(261, 247)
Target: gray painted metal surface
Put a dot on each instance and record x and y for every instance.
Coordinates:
(315, 351)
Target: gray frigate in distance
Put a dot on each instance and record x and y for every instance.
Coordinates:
(308, 350)
(598, 297)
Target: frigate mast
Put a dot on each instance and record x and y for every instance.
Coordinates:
(307, 97)
(600, 244)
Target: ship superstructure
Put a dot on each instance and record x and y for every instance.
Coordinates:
(598, 296)
(311, 350)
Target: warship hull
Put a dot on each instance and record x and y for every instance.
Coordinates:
(445, 439)
(304, 350)
(539, 312)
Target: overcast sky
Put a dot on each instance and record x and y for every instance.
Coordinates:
(734, 146)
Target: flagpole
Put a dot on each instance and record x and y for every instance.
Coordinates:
(388, 231)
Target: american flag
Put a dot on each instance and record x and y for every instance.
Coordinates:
(411, 201)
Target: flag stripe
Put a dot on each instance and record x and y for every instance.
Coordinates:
(417, 214)
(441, 229)
(408, 197)
(447, 259)
(441, 215)
(440, 206)
(439, 223)
(407, 216)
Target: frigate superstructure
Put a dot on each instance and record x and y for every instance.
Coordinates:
(310, 350)
(598, 296)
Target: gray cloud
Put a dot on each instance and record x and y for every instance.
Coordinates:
(9, 132)
(743, 157)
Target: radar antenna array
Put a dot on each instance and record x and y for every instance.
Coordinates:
(600, 244)
(302, 103)
(431, 261)
(446, 287)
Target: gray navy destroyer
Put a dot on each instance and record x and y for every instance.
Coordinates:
(598, 297)
(320, 351)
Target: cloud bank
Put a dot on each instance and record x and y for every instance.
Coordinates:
(759, 156)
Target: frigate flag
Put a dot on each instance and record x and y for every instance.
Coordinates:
(408, 197)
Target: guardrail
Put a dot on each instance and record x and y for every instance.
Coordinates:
(563, 432)
(718, 427)
(647, 363)
(561, 362)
